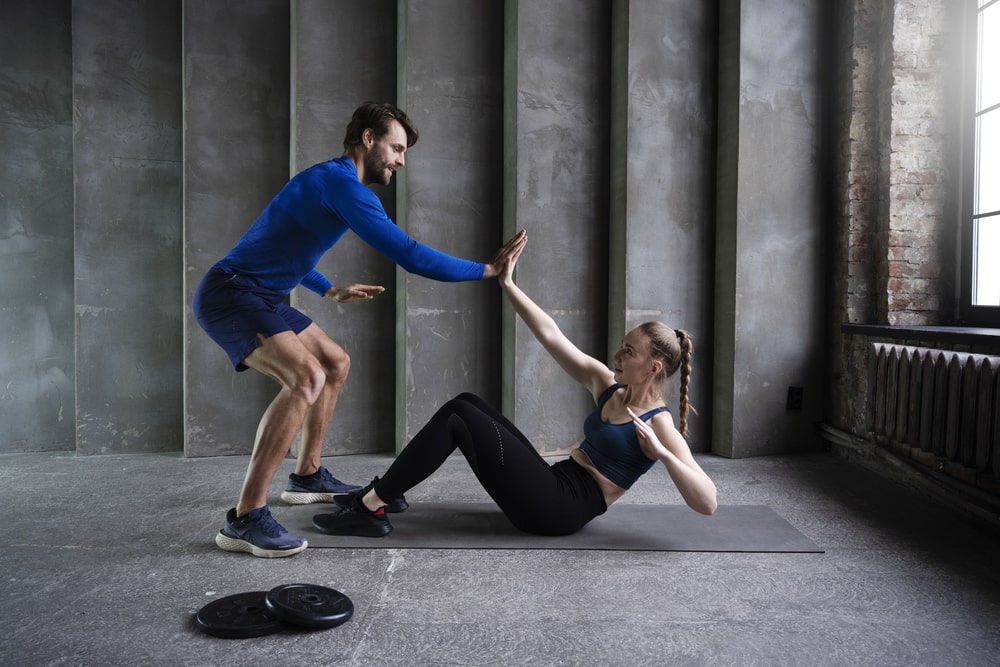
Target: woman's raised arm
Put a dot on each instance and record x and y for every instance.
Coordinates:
(588, 371)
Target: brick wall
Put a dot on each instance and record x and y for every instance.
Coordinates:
(898, 164)
(858, 82)
(856, 192)
(896, 179)
(922, 168)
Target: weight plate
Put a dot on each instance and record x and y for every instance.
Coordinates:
(308, 605)
(239, 616)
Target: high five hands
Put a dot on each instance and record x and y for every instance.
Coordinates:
(510, 250)
(507, 254)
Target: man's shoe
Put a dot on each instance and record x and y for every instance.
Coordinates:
(393, 506)
(259, 534)
(320, 487)
(355, 520)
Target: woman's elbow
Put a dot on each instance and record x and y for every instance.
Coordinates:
(706, 505)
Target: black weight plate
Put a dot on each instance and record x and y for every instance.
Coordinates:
(239, 616)
(308, 605)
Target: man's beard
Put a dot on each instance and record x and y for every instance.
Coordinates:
(377, 170)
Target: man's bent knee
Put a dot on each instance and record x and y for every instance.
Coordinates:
(309, 381)
(338, 370)
(336, 365)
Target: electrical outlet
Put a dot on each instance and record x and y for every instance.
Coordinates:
(794, 398)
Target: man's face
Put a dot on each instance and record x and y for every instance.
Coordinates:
(385, 155)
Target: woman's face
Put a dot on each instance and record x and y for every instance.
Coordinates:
(633, 363)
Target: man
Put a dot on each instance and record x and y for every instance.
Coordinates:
(240, 304)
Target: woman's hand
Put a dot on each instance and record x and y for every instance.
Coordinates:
(506, 273)
(353, 293)
(648, 442)
(513, 247)
(697, 489)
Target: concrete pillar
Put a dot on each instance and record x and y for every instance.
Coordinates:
(343, 54)
(769, 296)
(37, 403)
(662, 157)
(236, 151)
(127, 166)
(450, 194)
(556, 186)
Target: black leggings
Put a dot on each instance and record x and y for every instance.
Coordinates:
(536, 497)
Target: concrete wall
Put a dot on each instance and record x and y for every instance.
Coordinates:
(663, 158)
(236, 99)
(591, 124)
(450, 81)
(557, 148)
(127, 190)
(344, 53)
(37, 365)
(769, 296)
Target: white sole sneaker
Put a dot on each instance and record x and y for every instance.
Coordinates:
(304, 498)
(227, 543)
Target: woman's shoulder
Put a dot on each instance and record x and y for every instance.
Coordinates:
(662, 418)
(603, 394)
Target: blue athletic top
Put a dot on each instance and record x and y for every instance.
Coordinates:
(614, 448)
(307, 218)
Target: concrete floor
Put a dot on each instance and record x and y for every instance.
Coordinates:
(106, 559)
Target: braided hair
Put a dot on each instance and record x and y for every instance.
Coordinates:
(675, 348)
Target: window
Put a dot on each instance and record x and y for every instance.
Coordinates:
(981, 210)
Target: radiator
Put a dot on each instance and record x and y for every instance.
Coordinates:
(942, 402)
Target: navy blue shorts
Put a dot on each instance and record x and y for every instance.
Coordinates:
(233, 309)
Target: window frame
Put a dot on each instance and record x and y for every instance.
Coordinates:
(968, 313)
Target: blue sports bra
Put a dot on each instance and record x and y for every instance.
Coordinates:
(614, 448)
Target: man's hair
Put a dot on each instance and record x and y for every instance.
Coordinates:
(377, 117)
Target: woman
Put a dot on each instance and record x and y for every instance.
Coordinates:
(630, 429)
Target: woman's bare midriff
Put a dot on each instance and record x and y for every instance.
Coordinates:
(609, 489)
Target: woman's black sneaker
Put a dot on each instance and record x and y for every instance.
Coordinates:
(355, 520)
(393, 506)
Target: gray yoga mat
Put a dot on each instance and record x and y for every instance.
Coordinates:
(735, 528)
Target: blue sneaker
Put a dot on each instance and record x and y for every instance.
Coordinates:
(259, 534)
(320, 487)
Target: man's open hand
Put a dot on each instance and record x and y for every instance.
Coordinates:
(353, 293)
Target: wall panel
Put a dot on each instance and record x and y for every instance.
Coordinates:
(558, 95)
(37, 401)
(329, 82)
(769, 283)
(663, 158)
(451, 84)
(127, 173)
(236, 147)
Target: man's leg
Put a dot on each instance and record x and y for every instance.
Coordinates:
(336, 364)
(286, 359)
